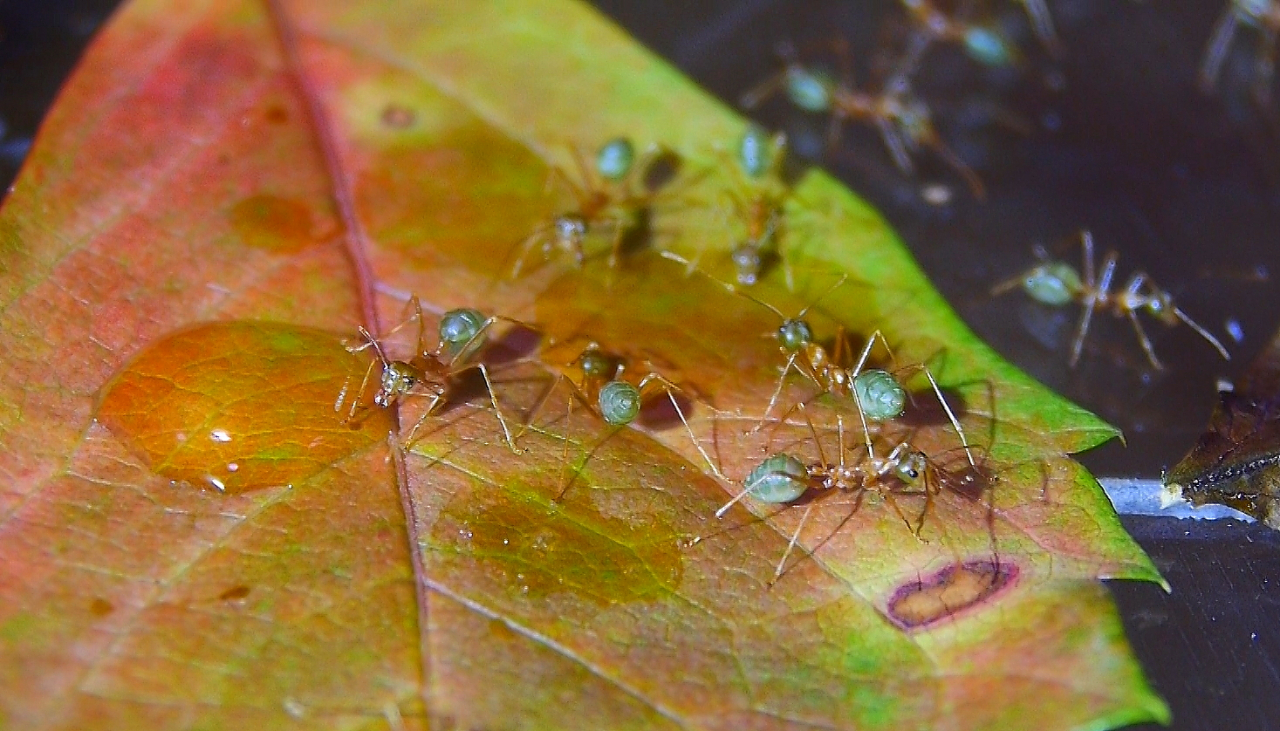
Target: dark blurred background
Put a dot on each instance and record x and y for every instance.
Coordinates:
(1112, 135)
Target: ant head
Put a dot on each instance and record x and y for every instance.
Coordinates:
(912, 468)
(795, 334)
(397, 379)
(570, 229)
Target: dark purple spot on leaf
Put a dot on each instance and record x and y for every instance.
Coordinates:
(944, 595)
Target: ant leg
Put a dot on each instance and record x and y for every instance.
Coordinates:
(420, 343)
(1042, 22)
(355, 401)
(669, 388)
(1086, 253)
(1082, 329)
(523, 249)
(773, 400)
(538, 406)
(1202, 332)
(1216, 52)
(615, 248)
(1095, 295)
(436, 400)
(1143, 340)
(589, 178)
(777, 573)
(866, 351)
(971, 178)
(835, 127)
(822, 457)
(893, 504)
(497, 410)
(1264, 69)
(897, 148)
(765, 89)
(951, 416)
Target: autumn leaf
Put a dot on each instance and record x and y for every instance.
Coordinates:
(197, 532)
(1235, 461)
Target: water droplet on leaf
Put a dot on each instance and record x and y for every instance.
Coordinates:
(261, 392)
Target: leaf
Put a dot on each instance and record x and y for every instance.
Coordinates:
(210, 209)
(1236, 462)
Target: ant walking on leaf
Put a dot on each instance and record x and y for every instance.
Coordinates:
(903, 119)
(757, 204)
(783, 478)
(1058, 284)
(604, 200)
(429, 373)
(1264, 15)
(603, 388)
(878, 394)
(982, 43)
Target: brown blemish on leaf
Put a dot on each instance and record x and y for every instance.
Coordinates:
(235, 593)
(100, 607)
(273, 223)
(542, 550)
(234, 406)
(398, 117)
(276, 114)
(955, 589)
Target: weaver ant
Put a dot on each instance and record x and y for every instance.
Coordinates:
(1058, 284)
(760, 156)
(903, 119)
(430, 372)
(783, 478)
(603, 388)
(603, 199)
(878, 394)
(983, 44)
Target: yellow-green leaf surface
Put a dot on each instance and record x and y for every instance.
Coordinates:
(192, 537)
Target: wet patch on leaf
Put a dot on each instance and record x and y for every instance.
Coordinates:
(945, 595)
(234, 406)
(542, 550)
